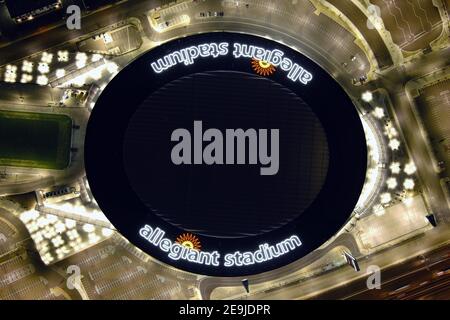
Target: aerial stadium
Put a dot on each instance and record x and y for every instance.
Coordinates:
(217, 150)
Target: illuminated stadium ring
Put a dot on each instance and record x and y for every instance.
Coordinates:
(158, 145)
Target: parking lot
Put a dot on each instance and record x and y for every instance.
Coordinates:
(413, 24)
(433, 104)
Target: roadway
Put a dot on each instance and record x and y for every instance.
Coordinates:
(288, 273)
(372, 36)
(338, 280)
(420, 277)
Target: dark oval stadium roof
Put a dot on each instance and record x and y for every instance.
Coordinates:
(226, 200)
(110, 183)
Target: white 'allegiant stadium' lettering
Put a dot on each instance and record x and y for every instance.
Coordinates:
(277, 58)
(188, 55)
(176, 251)
(265, 253)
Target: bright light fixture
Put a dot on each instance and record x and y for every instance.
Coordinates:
(60, 73)
(88, 228)
(26, 78)
(43, 68)
(410, 168)
(47, 57)
(391, 183)
(394, 144)
(378, 113)
(409, 184)
(63, 56)
(42, 80)
(367, 96)
(385, 198)
(27, 66)
(395, 168)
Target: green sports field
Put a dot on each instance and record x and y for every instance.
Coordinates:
(35, 140)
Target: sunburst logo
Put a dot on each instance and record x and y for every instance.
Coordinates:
(190, 241)
(263, 68)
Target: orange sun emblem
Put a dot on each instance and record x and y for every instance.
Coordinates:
(263, 68)
(189, 240)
